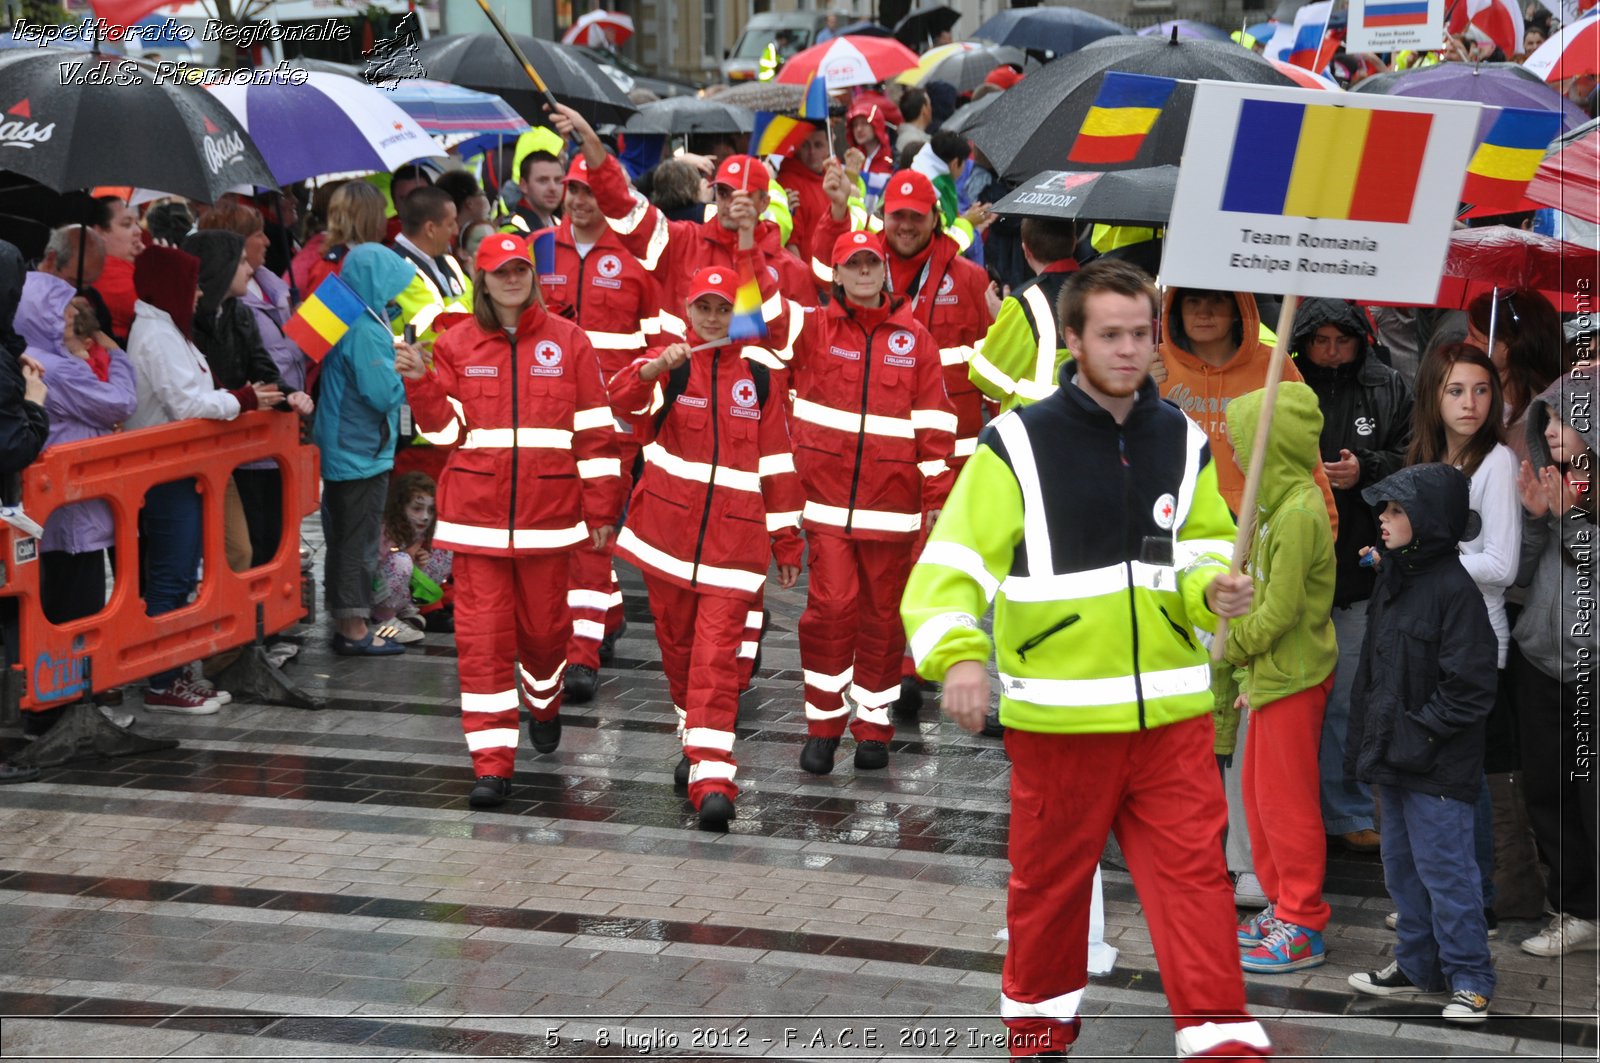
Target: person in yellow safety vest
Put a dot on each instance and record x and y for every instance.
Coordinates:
(531, 200)
(441, 286)
(1020, 359)
(767, 69)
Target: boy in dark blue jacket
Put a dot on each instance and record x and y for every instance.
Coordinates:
(1421, 695)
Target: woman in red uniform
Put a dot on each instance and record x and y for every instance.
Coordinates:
(534, 479)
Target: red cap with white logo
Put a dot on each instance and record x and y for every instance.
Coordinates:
(495, 251)
(909, 190)
(850, 243)
(713, 280)
(578, 171)
(742, 172)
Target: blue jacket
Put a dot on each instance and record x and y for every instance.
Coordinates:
(358, 410)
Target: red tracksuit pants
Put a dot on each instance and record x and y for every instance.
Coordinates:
(511, 638)
(851, 636)
(699, 634)
(1283, 805)
(1159, 790)
(594, 595)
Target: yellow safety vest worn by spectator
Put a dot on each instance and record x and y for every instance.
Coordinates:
(1020, 359)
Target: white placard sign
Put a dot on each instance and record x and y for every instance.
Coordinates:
(1391, 25)
(1315, 193)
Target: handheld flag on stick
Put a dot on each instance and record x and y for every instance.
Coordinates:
(544, 251)
(527, 67)
(814, 104)
(1509, 157)
(747, 322)
(776, 135)
(324, 317)
(1121, 116)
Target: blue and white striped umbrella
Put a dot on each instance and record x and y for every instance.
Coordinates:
(451, 110)
(331, 124)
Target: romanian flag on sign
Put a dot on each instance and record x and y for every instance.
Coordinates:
(747, 322)
(1120, 118)
(1317, 161)
(814, 104)
(324, 317)
(776, 135)
(1508, 158)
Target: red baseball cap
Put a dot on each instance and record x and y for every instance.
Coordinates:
(495, 251)
(850, 243)
(742, 171)
(713, 280)
(909, 190)
(1004, 75)
(578, 171)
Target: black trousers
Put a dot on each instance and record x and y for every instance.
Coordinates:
(261, 494)
(71, 586)
(352, 519)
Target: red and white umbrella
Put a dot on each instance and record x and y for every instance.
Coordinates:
(1572, 52)
(1499, 20)
(847, 61)
(598, 29)
(1306, 79)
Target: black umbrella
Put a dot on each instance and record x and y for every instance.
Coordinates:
(924, 23)
(482, 61)
(967, 115)
(1059, 30)
(1119, 197)
(1033, 126)
(965, 67)
(171, 136)
(690, 114)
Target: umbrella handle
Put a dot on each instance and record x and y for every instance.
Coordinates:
(527, 67)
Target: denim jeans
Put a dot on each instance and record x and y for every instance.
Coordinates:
(1483, 842)
(1346, 803)
(1442, 940)
(170, 532)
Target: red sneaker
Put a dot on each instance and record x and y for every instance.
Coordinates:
(180, 700)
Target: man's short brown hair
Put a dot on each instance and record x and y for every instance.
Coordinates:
(1103, 275)
(1049, 239)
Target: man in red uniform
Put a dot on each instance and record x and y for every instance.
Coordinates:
(873, 432)
(801, 178)
(597, 283)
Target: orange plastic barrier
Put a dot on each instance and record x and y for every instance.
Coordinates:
(120, 644)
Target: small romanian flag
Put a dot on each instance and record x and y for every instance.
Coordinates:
(814, 104)
(1120, 118)
(324, 317)
(747, 322)
(776, 135)
(1396, 13)
(1318, 161)
(1508, 157)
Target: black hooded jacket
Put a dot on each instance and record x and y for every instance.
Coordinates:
(1427, 676)
(23, 425)
(224, 328)
(1366, 409)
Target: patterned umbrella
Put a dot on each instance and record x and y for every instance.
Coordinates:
(1573, 51)
(963, 64)
(598, 29)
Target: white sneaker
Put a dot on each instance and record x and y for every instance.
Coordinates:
(123, 720)
(1247, 892)
(1566, 933)
(1391, 920)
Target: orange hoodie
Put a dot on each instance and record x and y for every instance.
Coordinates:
(1203, 392)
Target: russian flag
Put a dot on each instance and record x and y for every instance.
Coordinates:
(1404, 13)
(1310, 28)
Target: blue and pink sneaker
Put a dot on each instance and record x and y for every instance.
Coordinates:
(1254, 931)
(1285, 948)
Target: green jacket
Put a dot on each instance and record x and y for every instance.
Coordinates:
(1098, 578)
(1285, 644)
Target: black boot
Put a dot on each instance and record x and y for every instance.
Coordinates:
(910, 702)
(490, 792)
(546, 736)
(608, 645)
(578, 684)
(871, 756)
(817, 755)
(715, 811)
(680, 774)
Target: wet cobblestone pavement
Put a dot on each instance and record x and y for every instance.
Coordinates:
(311, 885)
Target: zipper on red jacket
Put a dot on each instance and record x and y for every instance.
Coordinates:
(577, 299)
(711, 481)
(516, 385)
(861, 427)
(1127, 564)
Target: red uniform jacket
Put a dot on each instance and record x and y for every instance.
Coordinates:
(873, 427)
(534, 472)
(814, 206)
(719, 497)
(607, 292)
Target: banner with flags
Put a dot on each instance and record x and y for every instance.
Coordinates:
(1120, 118)
(1393, 25)
(1508, 158)
(1299, 196)
(324, 317)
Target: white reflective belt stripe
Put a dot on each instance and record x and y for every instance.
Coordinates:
(593, 417)
(775, 464)
(594, 468)
(468, 535)
(747, 651)
(582, 599)
(451, 432)
(965, 447)
(930, 469)
(828, 417)
(616, 341)
(492, 738)
(588, 629)
(865, 519)
(711, 575)
(1062, 1009)
(1035, 529)
(703, 770)
(708, 738)
(935, 420)
(772, 308)
(671, 322)
(1193, 1040)
(1089, 583)
(1115, 690)
(1044, 323)
(698, 471)
(776, 522)
(506, 438)
(754, 619)
(535, 685)
(650, 326)
(928, 636)
(814, 713)
(960, 236)
(500, 701)
(965, 560)
(1191, 475)
(959, 355)
(821, 270)
(832, 684)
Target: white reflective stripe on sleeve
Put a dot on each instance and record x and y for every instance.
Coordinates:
(776, 522)
(501, 701)
(737, 479)
(1034, 390)
(594, 468)
(959, 355)
(865, 519)
(581, 599)
(506, 438)
(1196, 440)
(493, 738)
(828, 417)
(451, 432)
(934, 420)
(588, 629)
(594, 417)
(831, 684)
(821, 270)
(708, 738)
(934, 629)
(728, 578)
(1195, 1040)
(754, 619)
(1189, 551)
(650, 326)
(965, 447)
(704, 770)
(775, 464)
(1114, 690)
(1044, 323)
(1090, 583)
(930, 469)
(772, 308)
(671, 323)
(990, 372)
(785, 355)
(1035, 528)
(630, 221)
(424, 316)
(814, 713)
(963, 559)
(616, 341)
(1062, 1009)
(467, 535)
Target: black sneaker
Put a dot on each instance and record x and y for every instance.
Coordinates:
(715, 812)
(910, 701)
(608, 645)
(1389, 982)
(680, 774)
(440, 621)
(1467, 1007)
(871, 756)
(992, 727)
(546, 736)
(490, 792)
(817, 756)
(578, 684)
